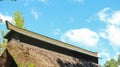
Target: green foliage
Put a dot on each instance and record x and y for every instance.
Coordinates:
(4, 42)
(0, 20)
(31, 65)
(19, 20)
(111, 63)
(2, 32)
(119, 59)
(23, 64)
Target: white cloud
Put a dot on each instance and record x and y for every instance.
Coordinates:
(112, 33)
(112, 30)
(109, 16)
(115, 19)
(3, 18)
(35, 14)
(82, 36)
(102, 14)
(103, 34)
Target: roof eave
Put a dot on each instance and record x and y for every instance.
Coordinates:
(49, 40)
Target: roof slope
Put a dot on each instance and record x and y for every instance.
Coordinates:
(49, 40)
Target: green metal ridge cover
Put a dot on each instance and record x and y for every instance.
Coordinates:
(49, 40)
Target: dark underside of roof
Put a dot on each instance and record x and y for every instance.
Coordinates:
(49, 46)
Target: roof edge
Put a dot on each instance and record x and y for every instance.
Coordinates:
(7, 24)
(49, 40)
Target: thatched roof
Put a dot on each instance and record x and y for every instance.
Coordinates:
(47, 39)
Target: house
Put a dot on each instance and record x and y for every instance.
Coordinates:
(40, 51)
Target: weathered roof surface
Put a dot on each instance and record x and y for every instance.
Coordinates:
(49, 40)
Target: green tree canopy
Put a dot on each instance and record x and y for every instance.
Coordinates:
(119, 59)
(19, 20)
(111, 63)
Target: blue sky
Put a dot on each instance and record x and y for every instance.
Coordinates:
(90, 24)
